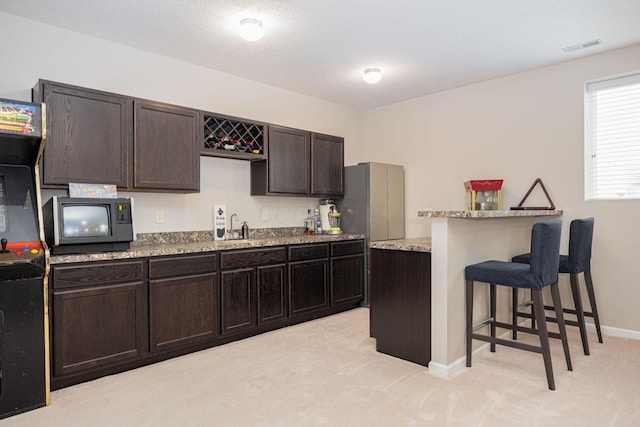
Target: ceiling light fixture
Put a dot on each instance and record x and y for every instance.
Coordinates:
(579, 46)
(251, 29)
(372, 75)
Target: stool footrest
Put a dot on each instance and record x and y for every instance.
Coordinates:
(514, 344)
(483, 323)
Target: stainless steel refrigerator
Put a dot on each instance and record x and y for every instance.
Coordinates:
(373, 205)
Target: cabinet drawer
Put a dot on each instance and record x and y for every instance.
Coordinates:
(347, 248)
(180, 266)
(97, 274)
(304, 252)
(251, 258)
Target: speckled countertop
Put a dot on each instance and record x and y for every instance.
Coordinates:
(429, 213)
(155, 244)
(417, 244)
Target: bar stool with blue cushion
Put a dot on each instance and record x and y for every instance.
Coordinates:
(540, 273)
(578, 261)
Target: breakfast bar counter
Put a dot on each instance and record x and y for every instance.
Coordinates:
(417, 285)
(458, 239)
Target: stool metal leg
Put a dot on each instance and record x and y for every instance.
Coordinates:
(538, 308)
(469, 318)
(492, 310)
(592, 299)
(514, 312)
(555, 294)
(577, 303)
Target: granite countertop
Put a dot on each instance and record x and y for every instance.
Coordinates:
(416, 244)
(429, 213)
(156, 244)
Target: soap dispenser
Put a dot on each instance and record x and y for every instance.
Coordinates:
(245, 231)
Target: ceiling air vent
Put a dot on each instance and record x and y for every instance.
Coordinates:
(579, 46)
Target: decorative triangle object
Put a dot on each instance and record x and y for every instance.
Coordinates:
(535, 208)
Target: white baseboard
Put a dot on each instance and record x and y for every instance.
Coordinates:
(447, 371)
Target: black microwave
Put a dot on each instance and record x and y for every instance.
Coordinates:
(83, 225)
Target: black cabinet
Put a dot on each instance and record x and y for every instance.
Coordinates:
(183, 303)
(299, 163)
(98, 316)
(252, 288)
(106, 138)
(308, 278)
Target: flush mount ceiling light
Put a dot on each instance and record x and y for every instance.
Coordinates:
(372, 75)
(251, 29)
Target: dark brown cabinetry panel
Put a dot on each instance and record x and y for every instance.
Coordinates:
(97, 273)
(252, 288)
(97, 326)
(327, 164)
(88, 136)
(308, 286)
(166, 147)
(182, 310)
(272, 293)
(299, 163)
(400, 285)
(106, 138)
(289, 151)
(237, 301)
(347, 280)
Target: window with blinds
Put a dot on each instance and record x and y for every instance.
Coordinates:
(612, 138)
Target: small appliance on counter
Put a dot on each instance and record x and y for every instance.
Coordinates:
(82, 225)
(325, 206)
(483, 195)
(334, 221)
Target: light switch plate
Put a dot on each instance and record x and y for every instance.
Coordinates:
(159, 216)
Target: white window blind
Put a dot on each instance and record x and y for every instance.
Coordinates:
(612, 138)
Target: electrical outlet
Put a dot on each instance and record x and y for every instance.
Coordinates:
(265, 214)
(159, 216)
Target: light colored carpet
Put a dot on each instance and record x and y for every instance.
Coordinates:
(327, 372)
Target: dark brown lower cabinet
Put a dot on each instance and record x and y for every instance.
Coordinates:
(238, 301)
(272, 293)
(110, 316)
(97, 326)
(308, 286)
(183, 301)
(400, 285)
(347, 272)
(253, 294)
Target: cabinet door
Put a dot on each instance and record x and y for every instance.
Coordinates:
(182, 310)
(166, 147)
(237, 301)
(94, 327)
(308, 286)
(289, 161)
(88, 136)
(347, 280)
(272, 293)
(327, 165)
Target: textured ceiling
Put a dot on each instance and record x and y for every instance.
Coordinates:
(321, 47)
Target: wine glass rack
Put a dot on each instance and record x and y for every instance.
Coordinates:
(229, 137)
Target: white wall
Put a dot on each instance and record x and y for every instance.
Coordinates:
(55, 54)
(519, 128)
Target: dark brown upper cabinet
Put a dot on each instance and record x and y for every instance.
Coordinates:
(105, 138)
(327, 165)
(88, 136)
(165, 147)
(299, 163)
